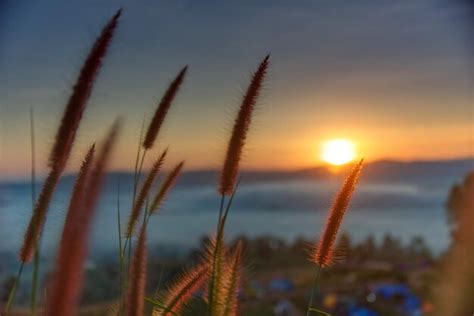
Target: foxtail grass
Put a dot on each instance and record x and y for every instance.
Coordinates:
(240, 129)
(215, 256)
(66, 134)
(36, 260)
(228, 179)
(324, 251)
(81, 92)
(165, 188)
(182, 290)
(152, 133)
(232, 279)
(162, 109)
(143, 194)
(158, 119)
(35, 226)
(65, 286)
(322, 255)
(135, 297)
(67, 282)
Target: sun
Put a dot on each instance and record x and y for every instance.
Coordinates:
(338, 151)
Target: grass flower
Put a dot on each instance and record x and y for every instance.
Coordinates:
(165, 187)
(65, 286)
(240, 129)
(140, 200)
(65, 136)
(181, 291)
(323, 253)
(135, 297)
(215, 256)
(162, 110)
(67, 282)
(232, 282)
(80, 95)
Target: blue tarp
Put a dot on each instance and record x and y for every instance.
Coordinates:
(411, 303)
(361, 311)
(281, 285)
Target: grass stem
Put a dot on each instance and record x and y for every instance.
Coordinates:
(120, 250)
(313, 290)
(136, 179)
(220, 232)
(11, 296)
(135, 186)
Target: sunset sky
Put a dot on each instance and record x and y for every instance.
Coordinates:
(392, 76)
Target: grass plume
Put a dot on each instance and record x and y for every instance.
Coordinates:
(65, 136)
(162, 109)
(182, 290)
(215, 256)
(140, 200)
(240, 129)
(80, 94)
(64, 290)
(323, 253)
(67, 285)
(135, 297)
(232, 279)
(165, 187)
(38, 218)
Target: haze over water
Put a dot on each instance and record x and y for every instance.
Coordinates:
(397, 200)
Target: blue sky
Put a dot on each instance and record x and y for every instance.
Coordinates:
(390, 75)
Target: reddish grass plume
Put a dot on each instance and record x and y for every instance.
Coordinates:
(135, 297)
(323, 253)
(166, 187)
(140, 200)
(66, 282)
(182, 290)
(65, 136)
(240, 129)
(162, 110)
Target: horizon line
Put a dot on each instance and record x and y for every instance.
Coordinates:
(21, 178)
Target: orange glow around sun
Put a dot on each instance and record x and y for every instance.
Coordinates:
(338, 151)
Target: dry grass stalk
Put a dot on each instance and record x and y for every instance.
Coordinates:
(135, 297)
(65, 287)
(182, 290)
(323, 253)
(166, 187)
(38, 218)
(75, 246)
(65, 136)
(101, 164)
(162, 109)
(215, 256)
(140, 200)
(81, 92)
(240, 129)
(232, 279)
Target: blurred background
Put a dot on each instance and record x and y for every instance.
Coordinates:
(387, 81)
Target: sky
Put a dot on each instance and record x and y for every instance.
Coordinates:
(391, 76)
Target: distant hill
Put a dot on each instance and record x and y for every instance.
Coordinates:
(383, 170)
(428, 171)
